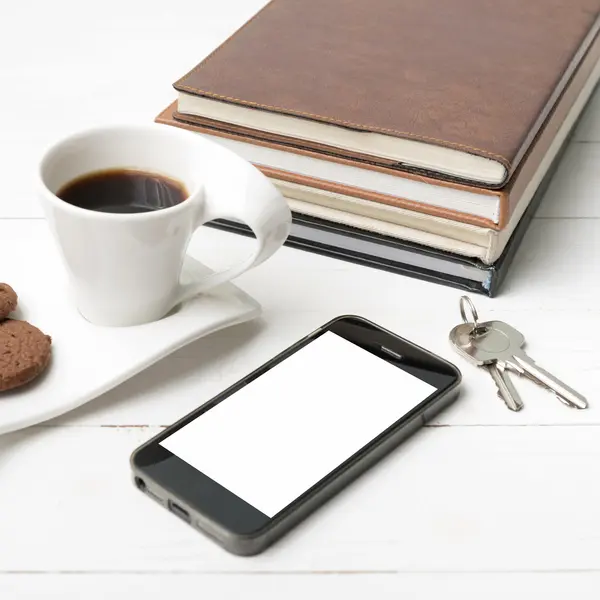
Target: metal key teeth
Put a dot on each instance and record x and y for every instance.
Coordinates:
(506, 390)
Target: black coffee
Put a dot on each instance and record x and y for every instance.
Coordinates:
(123, 191)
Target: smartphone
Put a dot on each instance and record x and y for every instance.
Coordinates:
(251, 463)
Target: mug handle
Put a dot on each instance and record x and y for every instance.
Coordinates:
(235, 189)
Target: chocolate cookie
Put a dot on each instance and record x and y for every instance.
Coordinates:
(24, 353)
(8, 300)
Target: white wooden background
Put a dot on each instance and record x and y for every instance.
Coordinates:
(482, 504)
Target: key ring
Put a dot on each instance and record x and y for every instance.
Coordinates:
(477, 328)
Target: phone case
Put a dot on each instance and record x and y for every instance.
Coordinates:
(278, 526)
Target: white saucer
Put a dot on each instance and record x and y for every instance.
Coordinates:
(89, 360)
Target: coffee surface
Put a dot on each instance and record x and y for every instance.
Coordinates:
(123, 191)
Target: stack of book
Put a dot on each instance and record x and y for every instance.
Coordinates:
(413, 136)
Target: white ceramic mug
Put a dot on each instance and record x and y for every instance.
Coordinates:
(125, 269)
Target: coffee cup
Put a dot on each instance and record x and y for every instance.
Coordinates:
(125, 267)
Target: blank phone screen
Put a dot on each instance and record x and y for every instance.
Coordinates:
(283, 432)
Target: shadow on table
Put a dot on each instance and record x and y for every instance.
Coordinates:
(554, 259)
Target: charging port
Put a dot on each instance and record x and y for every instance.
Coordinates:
(179, 511)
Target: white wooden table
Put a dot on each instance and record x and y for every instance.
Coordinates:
(482, 504)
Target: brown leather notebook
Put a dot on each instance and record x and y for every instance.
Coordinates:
(453, 89)
(492, 209)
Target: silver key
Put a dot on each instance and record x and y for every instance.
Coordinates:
(504, 344)
(462, 337)
(496, 341)
(506, 389)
